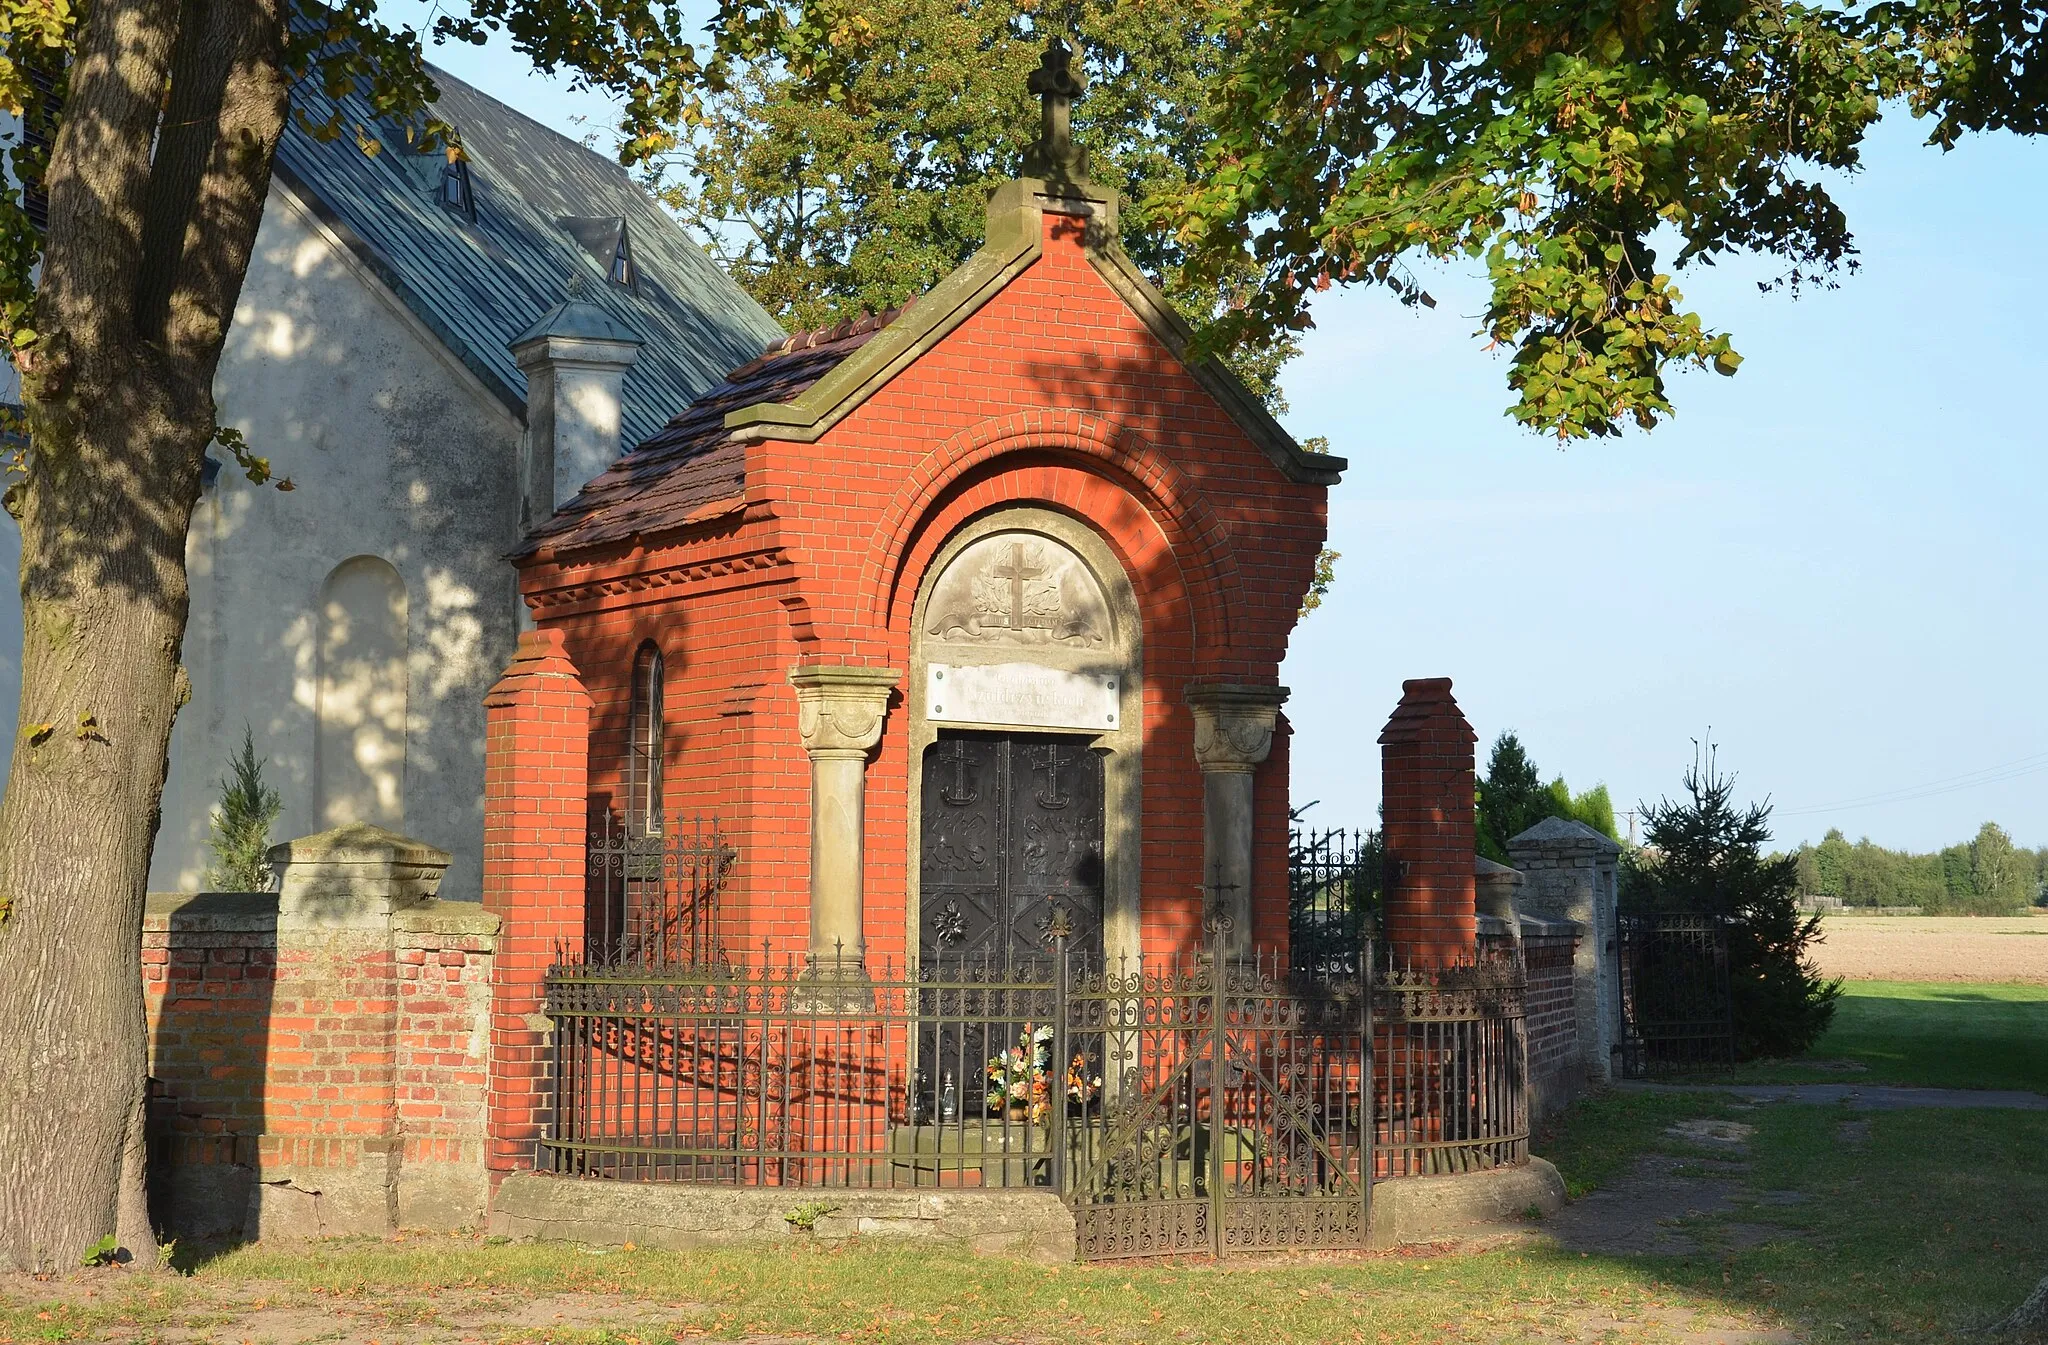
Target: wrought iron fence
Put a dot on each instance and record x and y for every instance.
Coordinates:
(1451, 1066)
(774, 1073)
(1180, 1105)
(1333, 898)
(651, 898)
(1676, 1008)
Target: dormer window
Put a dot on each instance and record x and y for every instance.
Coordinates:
(455, 190)
(622, 263)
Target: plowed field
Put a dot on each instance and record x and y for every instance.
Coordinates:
(1936, 948)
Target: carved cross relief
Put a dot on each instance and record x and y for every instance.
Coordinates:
(1018, 588)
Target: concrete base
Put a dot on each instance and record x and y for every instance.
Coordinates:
(1429, 1209)
(1020, 1223)
(676, 1217)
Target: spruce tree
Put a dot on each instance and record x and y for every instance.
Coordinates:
(1707, 856)
(241, 826)
(1511, 797)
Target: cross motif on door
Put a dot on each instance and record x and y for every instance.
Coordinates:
(959, 795)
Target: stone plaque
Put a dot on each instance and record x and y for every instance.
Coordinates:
(1025, 695)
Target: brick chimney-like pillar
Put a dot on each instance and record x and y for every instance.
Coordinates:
(1426, 792)
(536, 783)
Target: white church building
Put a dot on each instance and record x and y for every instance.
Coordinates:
(432, 353)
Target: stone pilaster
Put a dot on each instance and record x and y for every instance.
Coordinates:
(1233, 734)
(1569, 872)
(1495, 887)
(840, 710)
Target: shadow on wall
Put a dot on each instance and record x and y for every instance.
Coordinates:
(209, 977)
(319, 1054)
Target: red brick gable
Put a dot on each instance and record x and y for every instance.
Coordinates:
(1047, 386)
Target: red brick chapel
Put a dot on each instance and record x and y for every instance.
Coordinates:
(949, 616)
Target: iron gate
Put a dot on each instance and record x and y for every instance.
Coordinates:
(1676, 1010)
(1234, 1112)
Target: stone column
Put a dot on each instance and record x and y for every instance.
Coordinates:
(1233, 733)
(1426, 804)
(839, 713)
(1568, 871)
(1495, 886)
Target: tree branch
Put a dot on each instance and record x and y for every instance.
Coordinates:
(215, 183)
(99, 172)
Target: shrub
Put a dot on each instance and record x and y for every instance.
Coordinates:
(241, 824)
(1705, 855)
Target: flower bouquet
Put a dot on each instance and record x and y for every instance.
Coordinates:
(1020, 1079)
(1083, 1087)
(1017, 1077)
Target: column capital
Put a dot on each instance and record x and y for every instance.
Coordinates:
(1234, 724)
(840, 707)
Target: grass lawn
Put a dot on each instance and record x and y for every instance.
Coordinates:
(1935, 1035)
(1935, 1225)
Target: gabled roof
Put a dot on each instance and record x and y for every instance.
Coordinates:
(695, 467)
(802, 386)
(544, 206)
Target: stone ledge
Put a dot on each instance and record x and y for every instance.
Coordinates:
(445, 917)
(1429, 1209)
(222, 912)
(1036, 1224)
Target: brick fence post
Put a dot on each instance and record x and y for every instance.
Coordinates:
(1426, 791)
(536, 785)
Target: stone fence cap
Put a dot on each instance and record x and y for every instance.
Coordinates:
(1555, 830)
(358, 843)
(1482, 867)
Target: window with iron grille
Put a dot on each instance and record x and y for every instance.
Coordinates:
(644, 743)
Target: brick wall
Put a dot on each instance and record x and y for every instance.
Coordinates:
(1427, 818)
(315, 1080)
(536, 772)
(1555, 1075)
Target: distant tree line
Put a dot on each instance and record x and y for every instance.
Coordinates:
(1986, 876)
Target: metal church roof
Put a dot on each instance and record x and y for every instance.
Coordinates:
(537, 194)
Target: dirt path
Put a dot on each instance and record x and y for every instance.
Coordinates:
(1864, 1097)
(113, 1306)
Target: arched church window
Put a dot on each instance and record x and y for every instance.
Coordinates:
(644, 743)
(360, 717)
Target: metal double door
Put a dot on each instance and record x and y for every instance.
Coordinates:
(1011, 848)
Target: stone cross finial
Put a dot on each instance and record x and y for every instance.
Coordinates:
(1057, 85)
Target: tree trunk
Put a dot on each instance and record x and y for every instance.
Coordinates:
(150, 234)
(103, 608)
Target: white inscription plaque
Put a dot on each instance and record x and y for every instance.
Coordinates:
(1027, 695)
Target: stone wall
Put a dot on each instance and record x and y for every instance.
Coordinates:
(1569, 873)
(316, 1067)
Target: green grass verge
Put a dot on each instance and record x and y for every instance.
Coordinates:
(1934, 1228)
(1931, 1035)
(1931, 1227)
(1600, 1138)
(881, 1292)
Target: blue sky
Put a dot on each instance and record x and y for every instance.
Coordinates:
(1835, 558)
